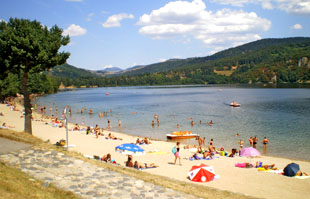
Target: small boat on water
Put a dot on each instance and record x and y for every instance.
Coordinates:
(181, 135)
(235, 104)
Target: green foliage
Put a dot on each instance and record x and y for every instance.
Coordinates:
(263, 61)
(69, 71)
(11, 85)
(29, 47)
(38, 83)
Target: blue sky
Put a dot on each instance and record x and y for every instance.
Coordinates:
(125, 33)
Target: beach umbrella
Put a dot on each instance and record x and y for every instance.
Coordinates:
(291, 169)
(201, 173)
(130, 149)
(249, 152)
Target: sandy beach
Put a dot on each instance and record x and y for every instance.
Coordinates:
(248, 181)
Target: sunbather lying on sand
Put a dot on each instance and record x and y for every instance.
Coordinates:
(138, 165)
(110, 136)
(267, 167)
(5, 126)
(300, 173)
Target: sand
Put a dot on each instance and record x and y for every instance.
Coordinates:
(248, 181)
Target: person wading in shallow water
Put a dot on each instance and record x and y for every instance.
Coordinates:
(265, 142)
(255, 140)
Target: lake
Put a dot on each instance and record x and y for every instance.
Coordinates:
(282, 115)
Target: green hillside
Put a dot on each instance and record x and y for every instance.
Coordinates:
(69, 71)
(237, 52)
(264, 61)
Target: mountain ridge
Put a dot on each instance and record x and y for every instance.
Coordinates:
(266, 60)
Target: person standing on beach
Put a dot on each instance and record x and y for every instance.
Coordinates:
(177, 153)
(201, 141)
(241, 145)
(97, 130)
(265, 142)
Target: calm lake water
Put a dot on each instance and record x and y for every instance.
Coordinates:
(282, 115)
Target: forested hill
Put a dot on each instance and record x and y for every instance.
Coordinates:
(243, 50)
(69, 71)
(263, 61)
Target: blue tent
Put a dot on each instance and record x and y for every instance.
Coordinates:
(291, 169)
(130, 149)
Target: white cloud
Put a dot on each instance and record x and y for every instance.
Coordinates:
(295, 6)
(238, 3)
(107, 66)
(89, 16)
(74, 30)
(289, 6)
(115, 20)
(267, 5)
(297, 26)
(222, 29)
(2, 20)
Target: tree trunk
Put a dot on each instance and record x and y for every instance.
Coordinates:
(27, 104)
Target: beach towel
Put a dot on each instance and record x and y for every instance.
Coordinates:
(147, 168)
(194, 150)
(200, 158)
(278, 171)
(302, 177)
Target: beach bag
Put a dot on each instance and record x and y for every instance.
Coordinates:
(61, 143)
(173, 150)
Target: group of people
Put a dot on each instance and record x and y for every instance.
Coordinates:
(143, 141)
(254, 141)
(210, 123)
(156, 118)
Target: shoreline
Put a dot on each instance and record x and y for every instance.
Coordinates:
(238, 180)
(71, 124)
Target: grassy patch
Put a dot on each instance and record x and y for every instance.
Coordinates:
(186, 187)
(16, 184)
(225, 72)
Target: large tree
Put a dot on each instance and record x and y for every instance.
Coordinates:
(30, 47)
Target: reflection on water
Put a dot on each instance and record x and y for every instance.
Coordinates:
(282, 115)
